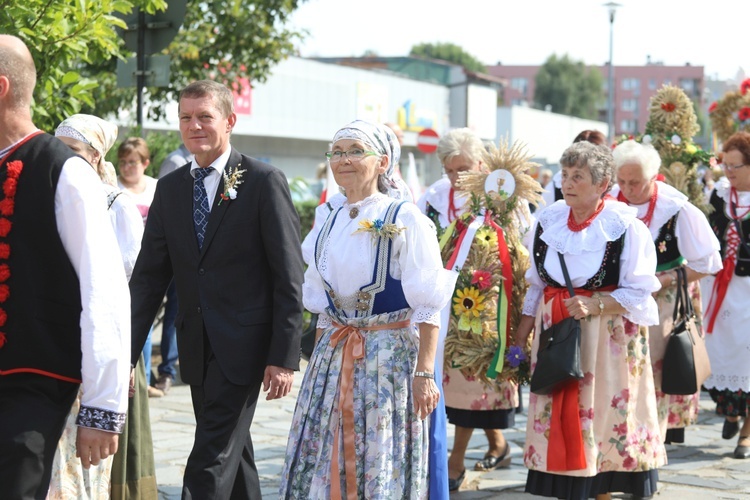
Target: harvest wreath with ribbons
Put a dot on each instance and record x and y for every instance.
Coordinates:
(484, 246)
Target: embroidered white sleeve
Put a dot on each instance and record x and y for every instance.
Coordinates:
(532, 300)
(536, 285)
(324, 320)
(697, 241)
(637, 276)
(313, 294)
(427, 286)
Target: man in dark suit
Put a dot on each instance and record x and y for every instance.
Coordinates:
(225, 228)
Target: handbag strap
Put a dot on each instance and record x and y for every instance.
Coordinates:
(565, 273)
(683, 306)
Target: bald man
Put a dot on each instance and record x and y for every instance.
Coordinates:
(64, 299)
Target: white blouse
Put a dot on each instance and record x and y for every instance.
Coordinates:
(347, 261)
(695, 238)
(438, 196)
(128, 225)
(584, 252)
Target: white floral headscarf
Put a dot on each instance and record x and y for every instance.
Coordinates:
(381, 139)
(97, 133)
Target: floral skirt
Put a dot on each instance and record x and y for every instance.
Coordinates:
(391, 441)
(675, 411)
(616, 403)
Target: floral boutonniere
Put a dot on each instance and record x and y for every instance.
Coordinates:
(378, 228)
(232, 179)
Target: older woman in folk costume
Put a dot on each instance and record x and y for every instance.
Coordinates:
(728, 314)
(682, 237)
(476, 394)
(599, 434)
(91, 137)
(359, 427)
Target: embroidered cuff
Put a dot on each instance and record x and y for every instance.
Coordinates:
(105, 420)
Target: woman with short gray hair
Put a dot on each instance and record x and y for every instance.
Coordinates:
(599, 434)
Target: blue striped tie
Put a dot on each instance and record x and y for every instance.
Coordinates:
(201, 209)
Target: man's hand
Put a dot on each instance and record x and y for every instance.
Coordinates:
(277, 382)
(94, 445)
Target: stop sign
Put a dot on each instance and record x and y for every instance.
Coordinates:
(427, 141)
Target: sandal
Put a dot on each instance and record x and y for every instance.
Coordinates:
(455, 484)
(491, 462)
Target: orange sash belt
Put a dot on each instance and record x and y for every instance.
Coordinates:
(565, 451)
(354, 348)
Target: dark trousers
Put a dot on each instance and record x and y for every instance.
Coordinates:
(221, 464)
(169, 335)
(33, 410)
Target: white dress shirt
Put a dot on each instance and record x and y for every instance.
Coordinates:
(211, 181)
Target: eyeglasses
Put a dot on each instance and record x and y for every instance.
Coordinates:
(131, 163)
(730, 168)
(352, 154)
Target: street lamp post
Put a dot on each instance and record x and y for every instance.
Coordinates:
(612, 6)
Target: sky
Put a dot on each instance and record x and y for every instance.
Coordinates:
(526, 32)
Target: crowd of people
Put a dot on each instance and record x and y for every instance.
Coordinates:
(90, 262)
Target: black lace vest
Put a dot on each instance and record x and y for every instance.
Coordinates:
(608, 273)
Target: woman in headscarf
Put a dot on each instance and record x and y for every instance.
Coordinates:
(378, 284)
(131, 472)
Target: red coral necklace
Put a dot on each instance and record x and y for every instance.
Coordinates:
(575, 227)
(646, 219)
(452, 212)
(7, 207)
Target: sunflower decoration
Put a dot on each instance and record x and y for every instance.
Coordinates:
(731, 113)
(670, 129)
(491, 286)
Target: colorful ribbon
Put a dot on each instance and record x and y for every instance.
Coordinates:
(503, 299)
(354, 349)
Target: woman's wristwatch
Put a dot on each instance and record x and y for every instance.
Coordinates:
(601, 305)
(425, 375)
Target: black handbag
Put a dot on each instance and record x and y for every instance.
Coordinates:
(558, 359)
(686, 365)
(308, 337)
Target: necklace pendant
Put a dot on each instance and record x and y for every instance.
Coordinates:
(353, 212)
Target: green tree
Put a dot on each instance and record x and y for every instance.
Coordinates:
(62, 36)
(448, 52)
(570, 87)
(225, 40)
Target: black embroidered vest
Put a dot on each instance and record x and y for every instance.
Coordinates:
(608, 273)
(667, 254)
(720, 224)
(43, 330)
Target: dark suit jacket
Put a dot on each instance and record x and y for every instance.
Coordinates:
(243, 287)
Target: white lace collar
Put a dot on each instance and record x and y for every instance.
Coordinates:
(724, 189)
(608, 226)
(669, 201)
(370, 200)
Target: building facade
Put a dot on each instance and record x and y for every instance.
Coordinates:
(633, 88)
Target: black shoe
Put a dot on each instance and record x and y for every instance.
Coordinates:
(455, 484)
(742, 451)
(730, 429)
(491, 462)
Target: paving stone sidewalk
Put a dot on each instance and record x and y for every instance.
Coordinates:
(703, 468)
